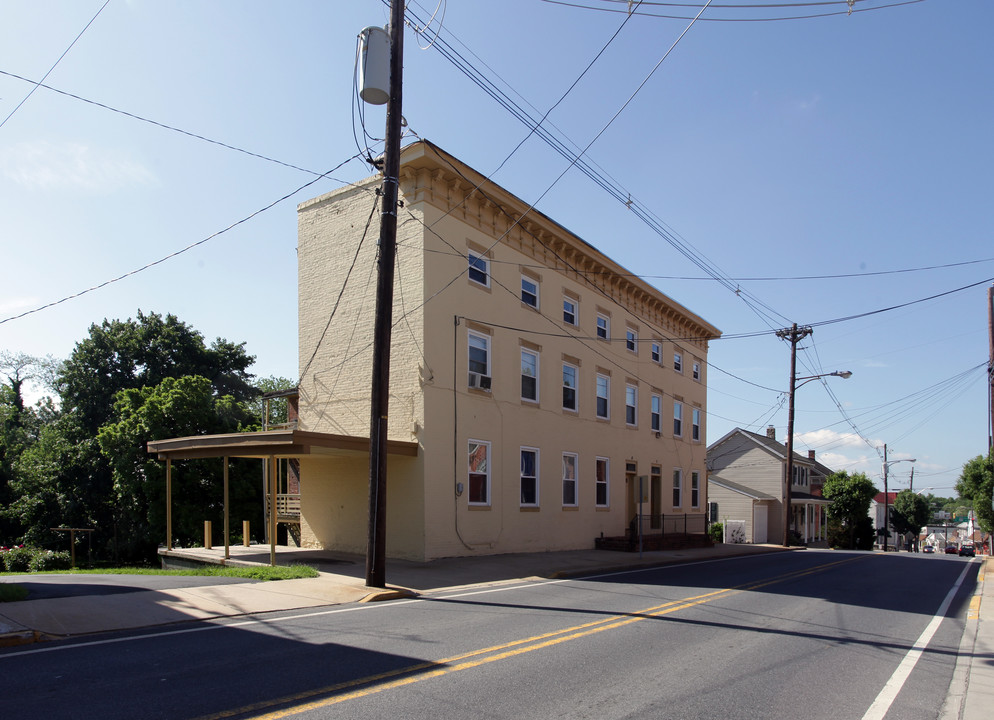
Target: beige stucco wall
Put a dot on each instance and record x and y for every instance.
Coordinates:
(430, 400)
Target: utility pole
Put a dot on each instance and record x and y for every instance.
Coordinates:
(990, 368)
(794, 334)
(886, 509)
(380, 395)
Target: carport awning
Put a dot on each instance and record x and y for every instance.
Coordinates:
(269, 444)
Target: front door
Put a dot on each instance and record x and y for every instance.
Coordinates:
(759, 523)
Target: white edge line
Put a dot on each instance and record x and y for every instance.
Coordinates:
(893, 686)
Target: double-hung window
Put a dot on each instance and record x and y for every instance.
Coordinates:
(695, 489)
(529, 375)
(603, 327)
(602, 481)
(479, 269)
(631, 340)
(529, 291)
(677, 488)
(479, 356)
(697, 371)
(603, 396)
(695, 425)
(529, 477)
(631, 405)
(569, 311)
(656, 352)
(678, 362)
(656, 413)
(479, 472)
(569, 387)
(677, 419)
(569, 479)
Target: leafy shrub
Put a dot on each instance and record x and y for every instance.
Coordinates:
(17, 559)
(44, 560)
(716, 531)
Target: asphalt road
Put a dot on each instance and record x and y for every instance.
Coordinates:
(805, 634)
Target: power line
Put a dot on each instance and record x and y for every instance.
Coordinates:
(849, 10)
(177, 252)
(64, 53)
(162, 125)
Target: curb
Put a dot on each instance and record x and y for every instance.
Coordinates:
(380, 594)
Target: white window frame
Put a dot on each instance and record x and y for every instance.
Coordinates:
(631, 406)
(603, 323)
(469, 472)
(534, 478)
(604, 380)
(695, 424)
(677, 419)
(470, 336)
(677, 488)
(527, 295)
(571, 482)
(697, 371)
(678, 362)
(656, 353)
(479, 262)
(656, 413)
(532, 354)
(605, 483)
(575, 387)
(632, 340)
(571, 308)
(695, 489)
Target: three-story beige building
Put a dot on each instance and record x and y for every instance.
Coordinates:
(533, 379)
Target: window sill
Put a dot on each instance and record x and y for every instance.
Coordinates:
(529, 508)
(479, 507)
(571, 508)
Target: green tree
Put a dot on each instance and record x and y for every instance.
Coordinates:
(64, 479)
(176, 407)
(120, 355)
(851, 496)
(976, 483)
(911, 513)
(19, 429)
(277, 406)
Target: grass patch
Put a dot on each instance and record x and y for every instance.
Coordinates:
(261, 572)
(9, 592)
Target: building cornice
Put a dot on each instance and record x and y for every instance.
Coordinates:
(430, 175)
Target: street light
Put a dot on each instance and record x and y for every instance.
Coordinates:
(886, 497)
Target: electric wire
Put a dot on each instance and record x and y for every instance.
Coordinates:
(848, 11)
(162, 125)
(176, 253)
(64, 53)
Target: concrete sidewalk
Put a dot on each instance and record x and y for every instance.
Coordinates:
(342, 580)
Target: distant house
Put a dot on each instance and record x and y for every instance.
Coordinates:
(876, 513)
(747, 479)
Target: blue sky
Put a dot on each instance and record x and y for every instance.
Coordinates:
(838, 149)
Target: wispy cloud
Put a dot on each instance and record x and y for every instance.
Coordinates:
(9, 305)
(44, 165)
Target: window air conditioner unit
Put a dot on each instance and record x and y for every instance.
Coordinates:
(478, 381)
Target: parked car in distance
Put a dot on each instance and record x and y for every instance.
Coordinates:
(967, 551)
(928, 549)
(951, 550)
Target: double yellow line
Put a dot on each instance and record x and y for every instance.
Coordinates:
(372, 684)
